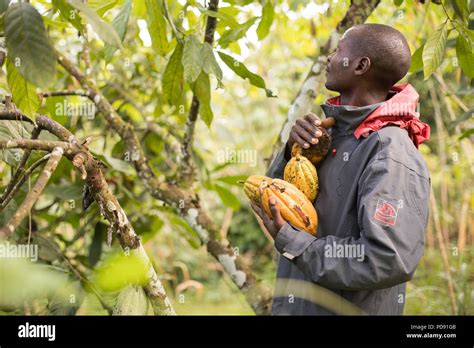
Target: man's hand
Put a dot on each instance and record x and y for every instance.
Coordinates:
(305, 131)
(274, 222)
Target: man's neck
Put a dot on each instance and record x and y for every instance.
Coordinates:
(361, 97)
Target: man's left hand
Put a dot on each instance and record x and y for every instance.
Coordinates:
(274, 222)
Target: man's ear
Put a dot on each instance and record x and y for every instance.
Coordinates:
(363, 65)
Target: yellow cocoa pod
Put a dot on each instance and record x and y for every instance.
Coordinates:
(315, 153)
(294, 206)
(300, 172)
(251, 187)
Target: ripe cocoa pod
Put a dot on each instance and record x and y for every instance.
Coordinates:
(300, 172)
(251, 186)
(294, 206)
(315, 153)
(132, 300)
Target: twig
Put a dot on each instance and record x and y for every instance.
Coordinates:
(444, 252)
(20, 170)
(34, 194)
(187, 168)
(65, 93)
(42, 145)
(170, 21)
(22, 180)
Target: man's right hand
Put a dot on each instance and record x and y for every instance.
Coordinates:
(305, 131)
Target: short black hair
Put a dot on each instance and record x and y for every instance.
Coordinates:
(387, 49)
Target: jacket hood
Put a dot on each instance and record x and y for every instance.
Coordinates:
(399, 110)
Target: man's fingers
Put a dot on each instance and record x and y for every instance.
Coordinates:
(305, 128)
(295, 136)
(328, 122)
(275, 210)
(313, 119)
(256, 209)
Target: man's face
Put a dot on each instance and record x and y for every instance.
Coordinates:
(339, 70)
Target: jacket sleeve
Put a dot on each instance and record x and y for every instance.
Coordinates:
(392, 216)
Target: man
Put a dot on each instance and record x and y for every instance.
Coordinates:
(374, 185)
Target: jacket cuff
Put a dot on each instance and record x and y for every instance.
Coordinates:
(291, 242)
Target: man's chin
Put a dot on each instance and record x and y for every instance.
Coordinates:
(329, 86)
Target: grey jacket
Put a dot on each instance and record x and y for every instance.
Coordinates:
(373, 210)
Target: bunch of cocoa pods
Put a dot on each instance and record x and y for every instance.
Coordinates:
(296, 193)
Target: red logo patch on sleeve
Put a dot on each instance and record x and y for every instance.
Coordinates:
(386, 212)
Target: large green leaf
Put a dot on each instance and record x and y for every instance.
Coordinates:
(173, 78)
(267, 19)
(227, 197)
(23, 93)
(236, 33)
(417, 60)
(434, 50)
(208, 61)
(105, 31)
(202, 91)
(120, 23)
(465, 56)
(28, 44)
(157, 26)
(69, 13)
(241, 70)
(192, 58)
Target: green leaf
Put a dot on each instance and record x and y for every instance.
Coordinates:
(417, 60)
(120, 23)
(236, 33)
(398, 2)
(434, 50)
(4, 5)
(202, 90)
(173, 78)
(461, 8)
(267, 19)
(232, 179)
(223, 17)
(192, 59)
(227, 197)
(209, 62)
(157, 26)
(28, 44)
(23, 93)
(467, 133)
(241, 70)
(101, 6)
(95, 249)
(69, 13)
(465, 56)
(105, 31)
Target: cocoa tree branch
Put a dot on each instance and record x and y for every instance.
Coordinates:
(184, 201)
(109, 205)
(34, 194)
(356, 14)
(187, 166)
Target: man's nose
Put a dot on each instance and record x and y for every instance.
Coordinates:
(329, 57)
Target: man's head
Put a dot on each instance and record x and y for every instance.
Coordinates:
(373, 56)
